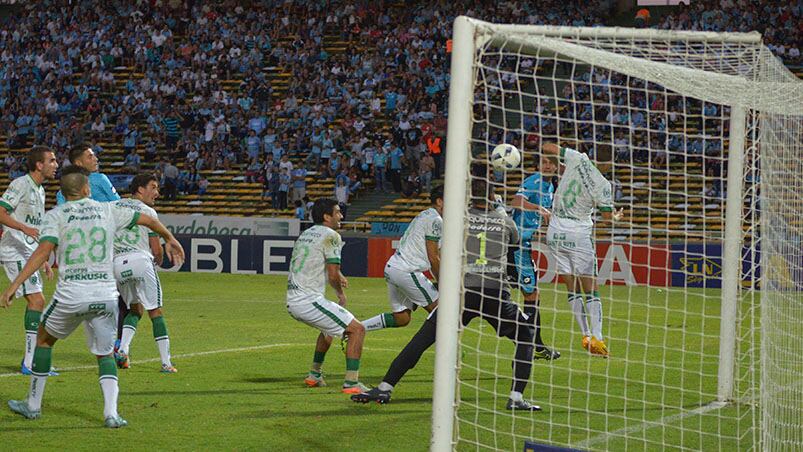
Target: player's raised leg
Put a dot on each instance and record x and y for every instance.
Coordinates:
(404, 361)
(418, 252)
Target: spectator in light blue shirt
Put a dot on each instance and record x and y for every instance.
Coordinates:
(252, 143)
(396, 156)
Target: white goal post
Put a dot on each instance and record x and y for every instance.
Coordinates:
(502, 74)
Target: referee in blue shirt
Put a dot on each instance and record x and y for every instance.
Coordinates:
(531, 205)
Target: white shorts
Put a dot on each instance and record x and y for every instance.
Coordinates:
(99, 319)
(573, 251)
(30, 286)
(138, 281)
(327, 316)
(408, 290)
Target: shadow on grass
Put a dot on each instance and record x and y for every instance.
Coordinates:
(348, 410)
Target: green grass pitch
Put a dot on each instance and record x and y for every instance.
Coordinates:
(241, 361)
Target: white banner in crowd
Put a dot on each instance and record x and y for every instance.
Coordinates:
(214, 225)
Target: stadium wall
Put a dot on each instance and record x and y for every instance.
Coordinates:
(669, 265)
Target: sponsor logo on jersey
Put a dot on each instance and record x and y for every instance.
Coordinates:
(33, 220)
(87, 276)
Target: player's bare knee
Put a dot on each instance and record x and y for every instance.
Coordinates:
(153, 313)
(402, 318)
(43, 338)
(355, 328)
(36, 302)
(531, 298)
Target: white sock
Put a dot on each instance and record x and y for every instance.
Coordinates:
(108, 385)
(128, 336)
(594, 308)
(385, 386)
(576, 300)
(36, 392)
(30, 345)
(376, 322)
(164, 350)
(516, 396)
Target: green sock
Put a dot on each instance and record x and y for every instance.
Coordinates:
(42, 359)
(352, 371)
(32, 320)
(106, 367)
(390, 321)
(131, 319)
(159, 327)
(317, 363)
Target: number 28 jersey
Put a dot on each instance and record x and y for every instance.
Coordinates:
(316, 247)
(84, 233)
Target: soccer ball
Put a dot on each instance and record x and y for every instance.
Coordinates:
(505, 157)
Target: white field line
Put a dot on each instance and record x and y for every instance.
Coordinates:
(205, 353)
(646, 425)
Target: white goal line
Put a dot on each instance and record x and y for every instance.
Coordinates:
(646, 425)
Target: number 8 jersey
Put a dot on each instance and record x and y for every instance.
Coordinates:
(316, 247)
(580, 189)
(84, 233)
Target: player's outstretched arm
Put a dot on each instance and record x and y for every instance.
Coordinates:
(8, 220)
(337, 281)
(174, 250)
(519, 202)
(37, 259)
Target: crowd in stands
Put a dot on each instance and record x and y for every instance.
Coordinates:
(780, 22)
(373, 114)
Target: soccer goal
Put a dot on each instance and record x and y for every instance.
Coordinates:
(701, 282)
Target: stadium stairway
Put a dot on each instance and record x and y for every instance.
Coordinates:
(370, 200)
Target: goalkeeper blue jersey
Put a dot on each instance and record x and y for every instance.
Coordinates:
(537, 190)
(102, 189)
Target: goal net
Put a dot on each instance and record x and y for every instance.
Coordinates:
(701, 282)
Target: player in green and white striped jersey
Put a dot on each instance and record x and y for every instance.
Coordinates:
(137, 251)
(23, 206)
(570, 238)
(81, 233)
(316, 260)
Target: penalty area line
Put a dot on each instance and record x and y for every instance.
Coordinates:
(196, 354)
(647, 425)
(180, 356)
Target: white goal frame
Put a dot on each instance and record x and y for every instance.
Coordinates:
(468, 36)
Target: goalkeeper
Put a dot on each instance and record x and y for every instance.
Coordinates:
(531, 204)
(570, 238)
(486, 295)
